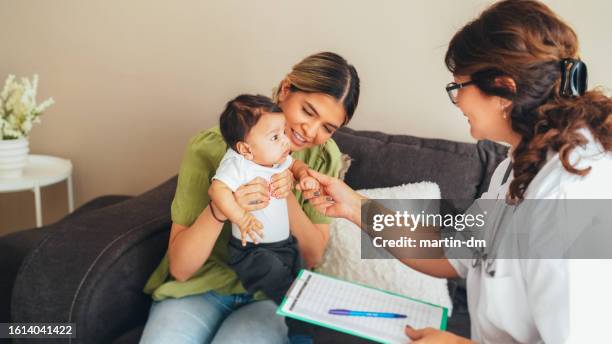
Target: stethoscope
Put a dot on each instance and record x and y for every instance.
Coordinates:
(480, 257)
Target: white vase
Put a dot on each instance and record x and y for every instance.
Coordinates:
(13, 157)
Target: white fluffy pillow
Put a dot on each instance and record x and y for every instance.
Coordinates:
(343, 255)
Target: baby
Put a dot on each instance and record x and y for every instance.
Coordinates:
(254, 129)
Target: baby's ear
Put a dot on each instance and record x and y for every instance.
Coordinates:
(244, 150)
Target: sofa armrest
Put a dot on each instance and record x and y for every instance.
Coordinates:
(14, 247)
(90, 270)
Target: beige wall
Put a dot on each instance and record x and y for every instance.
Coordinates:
(133, 80)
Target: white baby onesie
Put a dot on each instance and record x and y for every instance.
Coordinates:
(234, 171)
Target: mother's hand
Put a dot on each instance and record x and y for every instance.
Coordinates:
(335, 199)
(253, 195)
(281, 184)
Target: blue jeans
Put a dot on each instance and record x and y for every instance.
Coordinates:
(214, 318)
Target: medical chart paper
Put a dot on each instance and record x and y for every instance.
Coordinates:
(312, 295)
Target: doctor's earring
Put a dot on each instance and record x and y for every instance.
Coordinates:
(505, 107)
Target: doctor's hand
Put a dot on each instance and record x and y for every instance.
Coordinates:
(430, 335)
(335, 198)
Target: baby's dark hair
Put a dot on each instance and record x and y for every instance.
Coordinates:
(241, 114)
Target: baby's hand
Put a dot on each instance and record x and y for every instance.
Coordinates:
(250, 225)
(309, 183)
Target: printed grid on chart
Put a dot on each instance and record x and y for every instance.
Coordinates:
(323, 293)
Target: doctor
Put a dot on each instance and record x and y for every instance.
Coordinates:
(518, 79)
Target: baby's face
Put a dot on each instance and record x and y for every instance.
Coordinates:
(267, 140)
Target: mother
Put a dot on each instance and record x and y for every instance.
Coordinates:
(197, 298)
(516, 80)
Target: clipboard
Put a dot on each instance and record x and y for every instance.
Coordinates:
(312, 295)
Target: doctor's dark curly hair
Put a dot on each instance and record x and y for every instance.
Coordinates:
(526, 41)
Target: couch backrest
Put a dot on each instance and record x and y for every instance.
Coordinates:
(462, 170)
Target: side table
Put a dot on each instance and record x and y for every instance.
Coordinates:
(41, 171)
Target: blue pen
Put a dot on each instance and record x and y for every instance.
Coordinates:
(365, 313)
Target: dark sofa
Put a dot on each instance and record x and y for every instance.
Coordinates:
(89, 268)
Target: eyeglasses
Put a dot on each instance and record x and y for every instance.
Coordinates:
(453, 89)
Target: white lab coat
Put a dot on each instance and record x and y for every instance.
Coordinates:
(537, 300)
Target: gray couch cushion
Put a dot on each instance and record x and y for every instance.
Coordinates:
(462, 170)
